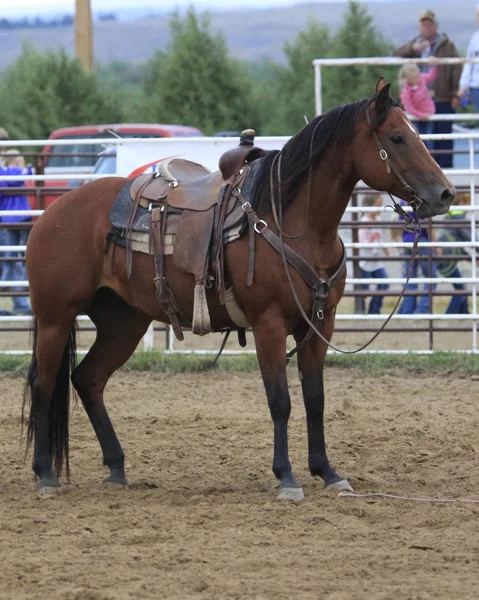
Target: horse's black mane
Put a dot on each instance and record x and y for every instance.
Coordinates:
(329, 129)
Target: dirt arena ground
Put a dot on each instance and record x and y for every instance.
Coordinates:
(200, 519)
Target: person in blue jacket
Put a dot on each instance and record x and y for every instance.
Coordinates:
(14, 164)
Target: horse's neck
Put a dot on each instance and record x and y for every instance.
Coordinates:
(331, 189)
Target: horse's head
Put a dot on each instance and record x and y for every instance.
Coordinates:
(390, 156)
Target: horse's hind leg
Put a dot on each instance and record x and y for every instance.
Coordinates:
(48, 380)
(311, 359)
(119, 330)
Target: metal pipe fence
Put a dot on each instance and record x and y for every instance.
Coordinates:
(349, 320)
(386, 61)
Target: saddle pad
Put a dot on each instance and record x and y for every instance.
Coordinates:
(121, 210)
(140, 241)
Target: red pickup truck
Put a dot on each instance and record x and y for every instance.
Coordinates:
(77, 158)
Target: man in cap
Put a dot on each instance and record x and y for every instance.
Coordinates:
(445, 89)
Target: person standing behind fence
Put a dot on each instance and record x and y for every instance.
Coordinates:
(445, 89)
(416, 98)
(15, 270)
(457, 235)
(411, 267)
(469, 82)
(372, 268)
(3, 239)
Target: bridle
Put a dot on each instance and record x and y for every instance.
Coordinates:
(411, 225)
(319, 285)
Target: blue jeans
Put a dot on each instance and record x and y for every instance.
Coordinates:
(376, 301)
(3, 242)
(411, 304)
(458, 304)
(424, 127)
(443, 160)
(475, 97)
(15, 270)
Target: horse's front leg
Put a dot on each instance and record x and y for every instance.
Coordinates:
(311, 357)
(270, 339)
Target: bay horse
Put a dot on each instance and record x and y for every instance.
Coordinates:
(72, 271)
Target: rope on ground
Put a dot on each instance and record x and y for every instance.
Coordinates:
(412, 499)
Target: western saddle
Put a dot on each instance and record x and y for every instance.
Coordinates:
(205, 205)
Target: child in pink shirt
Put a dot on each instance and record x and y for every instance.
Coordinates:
(416, 97)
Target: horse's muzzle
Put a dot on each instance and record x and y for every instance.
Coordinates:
(436, 203)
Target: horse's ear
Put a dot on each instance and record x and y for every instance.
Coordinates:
(380, 84)
(382, 94)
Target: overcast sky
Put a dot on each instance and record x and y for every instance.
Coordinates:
(22, 7)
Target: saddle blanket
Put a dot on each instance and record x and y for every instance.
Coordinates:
(121, 209)
(140, 241)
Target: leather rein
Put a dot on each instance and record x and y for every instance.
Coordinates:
(319, 285)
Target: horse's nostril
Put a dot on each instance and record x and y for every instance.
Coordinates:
(447, 196)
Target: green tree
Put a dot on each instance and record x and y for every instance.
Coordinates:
(357, 37)
(43, 91)
(121, 73)
(291, 98)
(196, 82)
(297, 82)
(265, 95)
(125, 81)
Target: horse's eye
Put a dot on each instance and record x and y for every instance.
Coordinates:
(397, 139)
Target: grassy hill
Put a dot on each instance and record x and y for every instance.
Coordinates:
(250, 34)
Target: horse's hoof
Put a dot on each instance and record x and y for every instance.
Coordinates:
(291, 493)
(341, 484)
(115, 481)
(50, 490)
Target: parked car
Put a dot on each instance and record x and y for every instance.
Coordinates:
(70, 159)
(226, 134)
(105, 165)
(106, 162)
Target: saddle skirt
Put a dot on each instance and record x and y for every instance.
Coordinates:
(187, 185)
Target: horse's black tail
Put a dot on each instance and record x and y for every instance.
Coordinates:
(59, 412)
